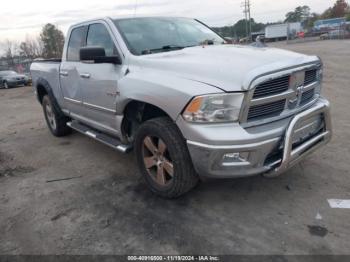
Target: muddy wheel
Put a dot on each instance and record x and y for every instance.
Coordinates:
(56, 123)
(163, 158)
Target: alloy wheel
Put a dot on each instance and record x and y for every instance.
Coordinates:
(157, 160)
(50, 116)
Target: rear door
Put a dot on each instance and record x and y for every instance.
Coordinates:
(99, 82)
(69, 72)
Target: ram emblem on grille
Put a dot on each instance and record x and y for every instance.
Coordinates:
(296, 84)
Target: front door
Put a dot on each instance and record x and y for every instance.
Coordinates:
(99, 82)
(69, 74)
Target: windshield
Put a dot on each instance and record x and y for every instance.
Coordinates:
(152, 35)
(5, 73)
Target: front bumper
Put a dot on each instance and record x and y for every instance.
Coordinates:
(269, 152)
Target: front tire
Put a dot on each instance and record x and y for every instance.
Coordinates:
(6, 85)
(163, 158)
(56, 122)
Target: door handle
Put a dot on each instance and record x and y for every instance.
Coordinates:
(63, 73)
(85, 75)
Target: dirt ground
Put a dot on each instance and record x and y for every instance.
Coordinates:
(107, 209)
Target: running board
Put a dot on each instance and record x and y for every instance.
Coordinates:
(110, 141)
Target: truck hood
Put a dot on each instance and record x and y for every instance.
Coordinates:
(227, 67)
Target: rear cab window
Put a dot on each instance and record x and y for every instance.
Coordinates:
(76, 41)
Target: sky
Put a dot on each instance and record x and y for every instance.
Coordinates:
(23, 18)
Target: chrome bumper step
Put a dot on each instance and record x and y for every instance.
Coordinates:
(110, 141)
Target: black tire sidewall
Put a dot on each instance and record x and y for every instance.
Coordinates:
(46, 100)
(61, 120)
(184, 177)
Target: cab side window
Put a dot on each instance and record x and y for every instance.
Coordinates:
(76, 41)
(98, 35)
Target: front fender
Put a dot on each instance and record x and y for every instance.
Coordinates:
(169, 93)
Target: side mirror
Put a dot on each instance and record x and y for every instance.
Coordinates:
(97, 55)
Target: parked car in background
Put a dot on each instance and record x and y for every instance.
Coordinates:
(244, 40)
(12, 79)
(335, 34)
(28, 78)
(301, 34)
(324, 36)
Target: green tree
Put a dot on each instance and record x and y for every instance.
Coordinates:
(310, 21)
(339, 9)
(299, 14)
(31, 48)
(24, 50)
(53, 41)
(239, 29)
(11, 50)
(327, 14)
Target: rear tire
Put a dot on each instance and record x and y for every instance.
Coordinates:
(163, 158)
(56, 122)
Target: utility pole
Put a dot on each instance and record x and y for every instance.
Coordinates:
(248, 24)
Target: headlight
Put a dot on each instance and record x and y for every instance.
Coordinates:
(219, 108)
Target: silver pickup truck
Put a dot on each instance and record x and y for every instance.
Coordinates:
(189, 104)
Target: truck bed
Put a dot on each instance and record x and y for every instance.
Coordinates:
(47, 70)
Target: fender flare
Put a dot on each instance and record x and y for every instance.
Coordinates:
(45, 84)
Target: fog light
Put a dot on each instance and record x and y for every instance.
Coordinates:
(237, 157)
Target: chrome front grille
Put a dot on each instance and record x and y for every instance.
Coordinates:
(310, 77)
(266, 110)
(307, 96)
(272, 87)
(281, 96)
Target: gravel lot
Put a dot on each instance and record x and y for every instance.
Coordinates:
(106, 208)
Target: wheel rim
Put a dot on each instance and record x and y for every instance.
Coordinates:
(157, 160)
(6, 85)
(50, 116)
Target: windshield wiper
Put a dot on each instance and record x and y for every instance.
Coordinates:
(163, 49)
